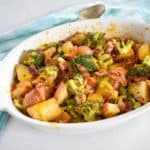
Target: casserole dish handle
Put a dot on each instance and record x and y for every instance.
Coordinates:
(2, 97)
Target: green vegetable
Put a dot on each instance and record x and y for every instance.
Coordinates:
(68, 101)
(136, 105)
(32, 57)
(132, 101)
(139, 70)
(18, 105)
(95, 40)
(87, 61)
(50, 70)
(53, 44)
(88, 111)
(142, 69)
(146, 61)
(76, 85)
(104, 60)
(49, 45)
(123, 91)
(124, 47)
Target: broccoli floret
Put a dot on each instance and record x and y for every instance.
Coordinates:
(68, 101)
(142, 69)
(76, 85)
(123, 91)
(146, 61)
(49, 45)
(124, 47)
(32, 57)
(104, 60)
(88, 111)
(95, 40)
(87, 61)
(139, 70)
(136, 105)
(50, 70)
(18, 105)
(53, 44)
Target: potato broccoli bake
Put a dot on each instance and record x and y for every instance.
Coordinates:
(86, 77)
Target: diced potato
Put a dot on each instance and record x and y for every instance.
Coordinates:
(115, 65)
(106, 89)
(23, 72)
(21, 89)
(63, 118)
(95, 97)
(49, 52)
(143, 51)
(110, 110)
(78, 38)
(61, 93)
(67, 47)
(140, 91)
(148, 83)
(46, 111)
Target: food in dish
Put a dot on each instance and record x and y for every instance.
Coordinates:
(86, 77)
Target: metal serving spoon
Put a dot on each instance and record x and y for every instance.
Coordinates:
(94, 11)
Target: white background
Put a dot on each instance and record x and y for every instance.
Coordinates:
(133, 135)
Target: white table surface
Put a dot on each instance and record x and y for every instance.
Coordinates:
(133, 135)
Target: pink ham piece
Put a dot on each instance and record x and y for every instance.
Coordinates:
(82, 50)
(118, 76)
(36, 95)
(109, 47)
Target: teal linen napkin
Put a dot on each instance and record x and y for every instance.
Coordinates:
(115, 8)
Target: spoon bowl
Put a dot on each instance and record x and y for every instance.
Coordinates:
(91, 12)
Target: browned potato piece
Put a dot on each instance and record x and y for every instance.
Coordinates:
(106, 89)
(78, 38)
(110, 110)
(46, 111)
(23, 72)
(21, 89)
(67, 47)
(95, 97)
(140, 91)
(148, 83)
(49, 53)
(143, 51)
(63, 118)
(61, 92)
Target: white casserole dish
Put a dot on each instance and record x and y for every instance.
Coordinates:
(137, 30)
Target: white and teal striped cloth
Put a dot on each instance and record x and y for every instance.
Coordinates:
(133, 9)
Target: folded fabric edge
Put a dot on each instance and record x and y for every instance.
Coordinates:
(3, 119)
